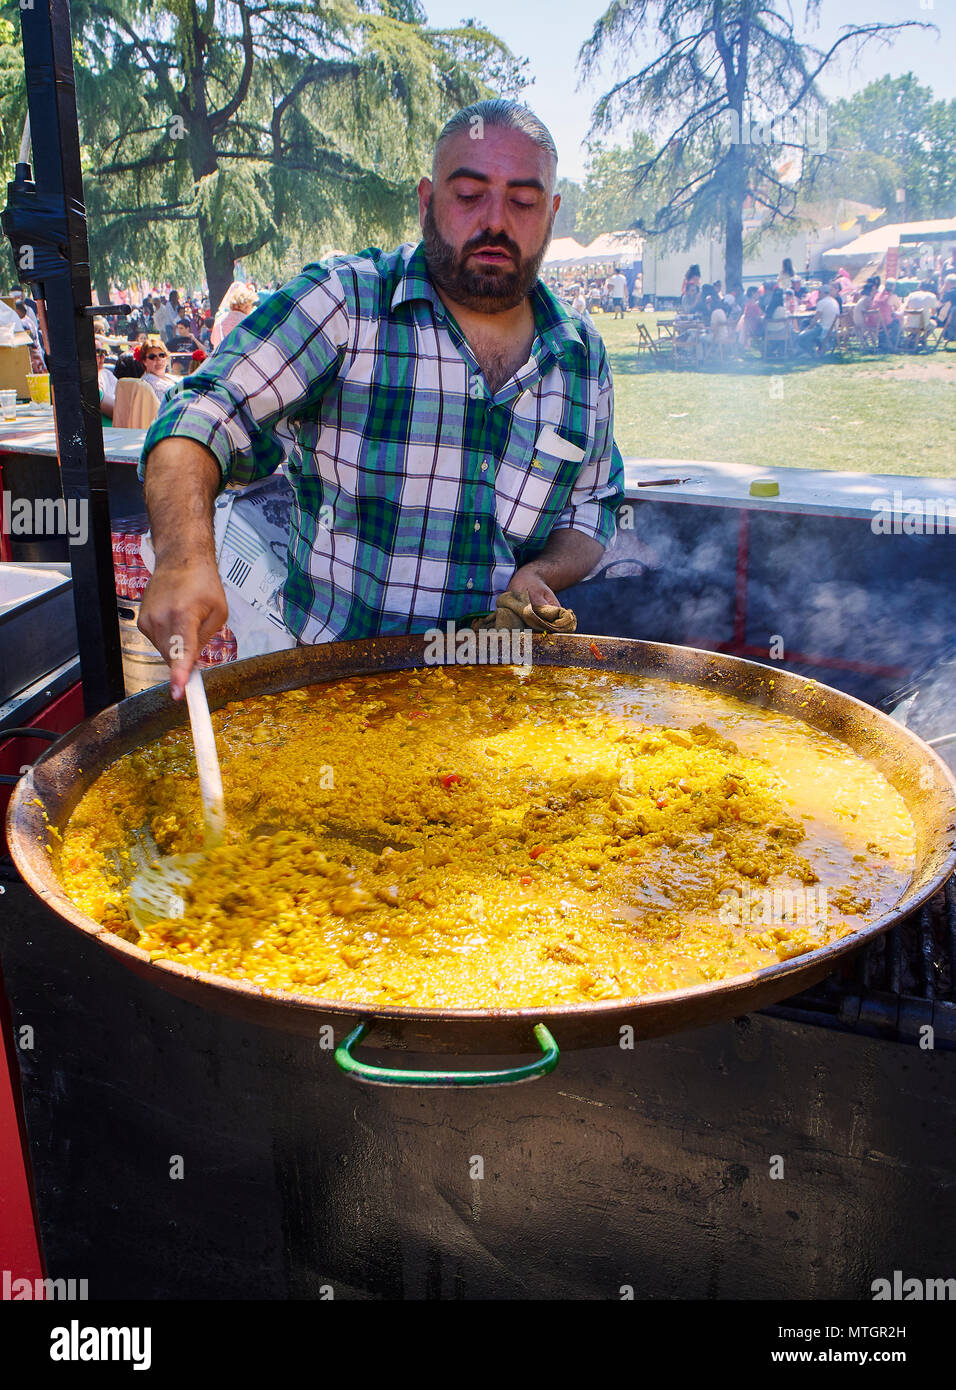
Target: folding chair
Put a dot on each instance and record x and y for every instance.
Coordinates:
(687, 346)
(845, 330)
(645, 343)
(914, 330)
(934, 335)
(721, 349)
(776, 334)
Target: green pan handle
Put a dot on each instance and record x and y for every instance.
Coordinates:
(396, 1076)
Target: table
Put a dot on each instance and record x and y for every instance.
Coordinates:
(29, 468)
(688, 335)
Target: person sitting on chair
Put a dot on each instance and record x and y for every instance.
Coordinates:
(105, 380)
(717, 335)
(775, 323)
(750, 323)
(885, 305)
(946, 313)
(924, 303)
(862, 313)
(826, 315)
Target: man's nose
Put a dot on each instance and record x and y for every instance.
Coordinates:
(496, 212)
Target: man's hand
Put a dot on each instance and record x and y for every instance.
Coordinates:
(183, 606)
(526, 580)
(567, 557)
(184, 602)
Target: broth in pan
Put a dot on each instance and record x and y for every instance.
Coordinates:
(500, 837)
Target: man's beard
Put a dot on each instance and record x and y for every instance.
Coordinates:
(488, 292)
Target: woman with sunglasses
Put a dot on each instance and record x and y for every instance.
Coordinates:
(155, 358)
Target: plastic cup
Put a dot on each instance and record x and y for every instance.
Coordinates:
(8, 405)
(38, 384)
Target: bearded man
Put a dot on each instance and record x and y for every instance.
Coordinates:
(451, 423)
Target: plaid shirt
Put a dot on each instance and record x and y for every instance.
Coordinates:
(418, 493)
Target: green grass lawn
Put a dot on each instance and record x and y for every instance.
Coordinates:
(872, 413)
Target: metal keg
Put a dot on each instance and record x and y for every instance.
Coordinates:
(143, 666)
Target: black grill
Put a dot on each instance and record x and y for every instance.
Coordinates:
(895, 985)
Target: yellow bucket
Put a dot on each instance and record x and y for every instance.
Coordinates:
(38, 384)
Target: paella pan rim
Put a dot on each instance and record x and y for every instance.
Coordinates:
(685, 1007)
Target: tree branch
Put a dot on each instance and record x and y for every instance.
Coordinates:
(217, 119)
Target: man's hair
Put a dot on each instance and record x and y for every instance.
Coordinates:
(502, 114)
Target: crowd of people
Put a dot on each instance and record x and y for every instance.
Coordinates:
(165, 338)
(790, 314)
(614, 293)
(169, 335)
(803, 315)
(156, 342)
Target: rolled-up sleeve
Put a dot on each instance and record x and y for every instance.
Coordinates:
(599, 489)
(277, 363)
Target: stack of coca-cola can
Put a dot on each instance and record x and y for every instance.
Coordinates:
(132, 576)
(130, 573)
(220, 648)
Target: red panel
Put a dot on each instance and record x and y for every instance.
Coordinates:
(20, 1256)
(61, 715)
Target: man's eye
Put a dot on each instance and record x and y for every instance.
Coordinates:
(468, 197)
(526, 207)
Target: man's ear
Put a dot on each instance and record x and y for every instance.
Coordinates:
(555, 203)
(424, 198)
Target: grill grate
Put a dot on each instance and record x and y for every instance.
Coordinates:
(895, 985)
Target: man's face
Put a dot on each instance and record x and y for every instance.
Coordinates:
(486, 217)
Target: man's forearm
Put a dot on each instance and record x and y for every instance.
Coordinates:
(566, 558)
(184, 602)
(181, 482)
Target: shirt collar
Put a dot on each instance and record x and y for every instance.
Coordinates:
(556, 328)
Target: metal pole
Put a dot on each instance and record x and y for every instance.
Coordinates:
(62, 274)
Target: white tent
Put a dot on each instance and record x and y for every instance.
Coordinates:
(564, 250)
(873, 246)
(619, 247)
(611, 248)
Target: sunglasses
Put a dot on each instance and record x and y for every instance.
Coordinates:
(156, 356)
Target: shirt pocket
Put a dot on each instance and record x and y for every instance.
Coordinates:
(529, 497)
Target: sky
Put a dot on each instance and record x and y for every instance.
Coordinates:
(550, 35)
